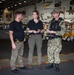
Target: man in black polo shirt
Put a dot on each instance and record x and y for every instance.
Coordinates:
(16, 33)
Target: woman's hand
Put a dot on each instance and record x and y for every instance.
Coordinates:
(38, 31)
(34, 31)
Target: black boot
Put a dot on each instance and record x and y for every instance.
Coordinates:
(24, 67)
(15, 71)
(49, 66)
(57, 69)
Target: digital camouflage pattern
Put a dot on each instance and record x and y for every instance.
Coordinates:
(55, 45)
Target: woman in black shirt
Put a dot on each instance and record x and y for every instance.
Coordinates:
(35, 27)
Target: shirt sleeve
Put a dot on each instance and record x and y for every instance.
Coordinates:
(63, 28)
(41, 25)
(11, 27)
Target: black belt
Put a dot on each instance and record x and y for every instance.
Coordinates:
(30, 35)
(53, 37)
(16, 40)
(35, 34)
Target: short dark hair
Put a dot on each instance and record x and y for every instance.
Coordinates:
(18, 12)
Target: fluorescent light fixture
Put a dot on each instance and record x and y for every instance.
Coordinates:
(24, 1)
(15, 4)
(8, 7)
(0, 1)
(20, 3)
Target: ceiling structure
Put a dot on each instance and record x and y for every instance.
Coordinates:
(15, 4)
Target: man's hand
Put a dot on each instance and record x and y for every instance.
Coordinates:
(13, 46)
(53, 32)
(48, 31)
(12, 40)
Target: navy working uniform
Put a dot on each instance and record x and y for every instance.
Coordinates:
(55, 42)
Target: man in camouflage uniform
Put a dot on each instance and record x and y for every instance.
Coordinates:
(55, 29)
